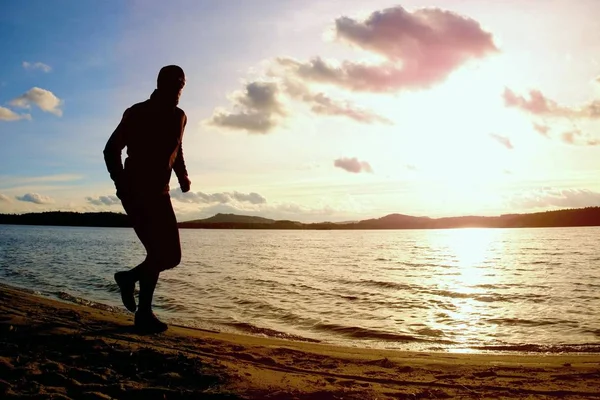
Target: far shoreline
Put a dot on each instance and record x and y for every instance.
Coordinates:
(566, 218)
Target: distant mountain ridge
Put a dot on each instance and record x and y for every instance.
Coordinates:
(232, 218)
(589, 216)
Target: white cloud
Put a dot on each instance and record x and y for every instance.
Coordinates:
(551, 197)
(44, 99)
(35, 198)
(103, 200)
(503, 140)
(221, 198)
(37, 65)
(282, 211)
(9, 115)
(353, 165)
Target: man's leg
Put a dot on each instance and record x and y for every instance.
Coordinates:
(164, 252)
(137, 212)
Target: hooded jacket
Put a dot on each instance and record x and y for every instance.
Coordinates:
(152, 131)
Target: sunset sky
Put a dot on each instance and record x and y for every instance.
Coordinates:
(312, 110)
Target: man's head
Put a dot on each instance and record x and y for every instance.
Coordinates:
(171, 80)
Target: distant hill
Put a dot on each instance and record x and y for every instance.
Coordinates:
(233, 218)
(234, 221)
(589, 216)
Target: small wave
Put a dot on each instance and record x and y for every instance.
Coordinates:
(539, 348)
(255, 330)
(523, 322)
(78, 300)
(380, 284)
(430, 332)
(487, 298)
(356, 332)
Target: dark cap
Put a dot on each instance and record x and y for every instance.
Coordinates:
(170, 74)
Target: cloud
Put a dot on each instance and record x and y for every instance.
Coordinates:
(4, 198)
(37, 65)
(9, 115)
(35, 198)
(104, 200)
(550, 197)
(220, 198)
(253, 198)
(503, 140)
(539, 105)
(569, 136)
(353, 165)
(256, 109)
(541, 129)
(44, 99)
(421, 48)
(324, 105)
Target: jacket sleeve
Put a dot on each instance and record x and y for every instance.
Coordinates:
(115, 145)
(179, 163)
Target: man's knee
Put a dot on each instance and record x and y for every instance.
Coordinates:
(171, 259)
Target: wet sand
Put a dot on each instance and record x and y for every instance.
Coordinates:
(56, 350)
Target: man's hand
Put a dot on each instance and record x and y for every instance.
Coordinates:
(185, 184)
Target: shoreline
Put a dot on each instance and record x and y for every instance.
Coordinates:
(53, 348)
(248, 329)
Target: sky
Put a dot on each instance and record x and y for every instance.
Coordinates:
(311, 111)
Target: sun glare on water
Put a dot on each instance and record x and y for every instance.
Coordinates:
(468, 253)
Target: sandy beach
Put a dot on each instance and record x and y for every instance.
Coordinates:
(56, 350)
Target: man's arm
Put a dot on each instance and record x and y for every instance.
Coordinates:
(114, 147)
(179, 164)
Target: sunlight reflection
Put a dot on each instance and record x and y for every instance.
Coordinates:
(469, 252)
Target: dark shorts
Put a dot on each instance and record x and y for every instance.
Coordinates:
(155, 224)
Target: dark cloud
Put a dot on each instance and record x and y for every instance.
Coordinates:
(104, 200)
(422, 48)
(430, 37)
(256, 109)
(539, 105)
(503, 140)
(35, 198)
(564, 198)
(220, 198)
(353, 165)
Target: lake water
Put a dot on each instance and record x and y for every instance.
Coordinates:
(457, 290)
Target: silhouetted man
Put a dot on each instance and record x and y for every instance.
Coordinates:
(152, 131)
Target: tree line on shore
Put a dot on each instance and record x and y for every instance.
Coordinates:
(589, 216)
